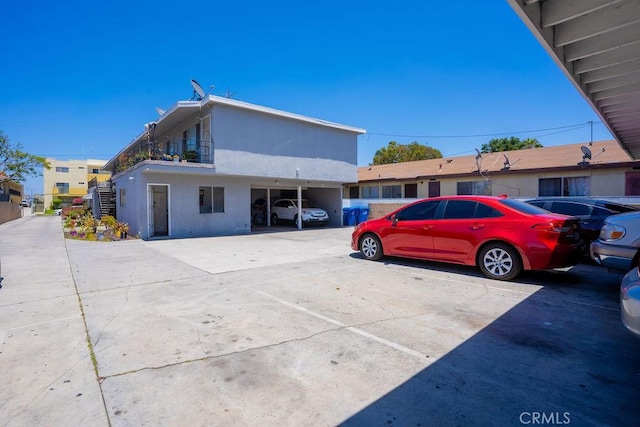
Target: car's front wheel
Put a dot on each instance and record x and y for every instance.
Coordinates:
(370, 247)
(499, 261)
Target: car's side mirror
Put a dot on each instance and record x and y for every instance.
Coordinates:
(394, 220)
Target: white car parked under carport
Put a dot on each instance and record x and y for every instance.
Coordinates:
(287, 209)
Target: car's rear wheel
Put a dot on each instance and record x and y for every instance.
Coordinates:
(370, 247)
(274, 219)
(499, 261)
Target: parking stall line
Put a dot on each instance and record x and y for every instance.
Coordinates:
(353, 329)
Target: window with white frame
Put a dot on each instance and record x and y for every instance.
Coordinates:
(63, 187)
(564, 186)
(211, 199)
(370, 192)
(391, 191)
(218, 199)
(206, 200)
(476, 188)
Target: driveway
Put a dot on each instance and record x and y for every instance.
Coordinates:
(293, 328)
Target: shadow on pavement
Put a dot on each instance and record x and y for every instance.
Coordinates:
(556, 357)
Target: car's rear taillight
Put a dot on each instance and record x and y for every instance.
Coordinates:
(566, 231)
(554, 227)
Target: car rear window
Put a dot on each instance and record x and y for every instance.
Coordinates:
(570, 208)
(523, 207)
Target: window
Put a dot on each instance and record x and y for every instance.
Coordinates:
(567, 186)
(95, 170)
(411, 191)
(81, 183)
(457, 209)
(354, 192)
(206, 200)
(283, 204)
(571, 209)
(211, 199)
(418, 212)
(62, 169)
(80, 167)
(63, 187)
(370, 192)
(484, 211)
(391, 191)
(123, 197)
(476, 188)
(218, 199)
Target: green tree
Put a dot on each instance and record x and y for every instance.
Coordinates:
(509, 144)
(15, 164)
(399, 153)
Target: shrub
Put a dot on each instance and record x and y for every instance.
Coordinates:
(77, 201)
(108, 221)
(55, 204)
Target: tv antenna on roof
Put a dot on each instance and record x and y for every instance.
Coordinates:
(228, 93)
(159, 110)
(507, 164)
(198, 92)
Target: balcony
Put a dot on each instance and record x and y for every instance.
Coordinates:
(176, 150)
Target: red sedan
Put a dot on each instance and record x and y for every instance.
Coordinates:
(499, 235)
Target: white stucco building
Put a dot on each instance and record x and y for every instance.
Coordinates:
(199, 169)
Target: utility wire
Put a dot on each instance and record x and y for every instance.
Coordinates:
(568, 128)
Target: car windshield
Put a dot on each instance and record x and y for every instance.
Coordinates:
(307, 204)
(523, 207)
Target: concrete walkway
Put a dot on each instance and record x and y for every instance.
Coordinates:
(47, 376)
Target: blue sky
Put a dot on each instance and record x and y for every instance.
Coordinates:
(80, 79)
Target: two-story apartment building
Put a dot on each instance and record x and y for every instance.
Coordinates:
(68, 179)
(202, 166)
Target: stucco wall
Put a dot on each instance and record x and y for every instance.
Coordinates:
(255, 144)
(185, 219)
(603, 183)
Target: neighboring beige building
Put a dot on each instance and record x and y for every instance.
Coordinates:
(68, 179)
(547, 171)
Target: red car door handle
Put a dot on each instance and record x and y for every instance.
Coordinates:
(477, 226)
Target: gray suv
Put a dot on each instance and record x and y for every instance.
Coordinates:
(618, 245)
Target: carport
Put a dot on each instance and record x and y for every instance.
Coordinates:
(326, 195)
(596, 43)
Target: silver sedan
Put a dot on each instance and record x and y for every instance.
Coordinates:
(630, 301)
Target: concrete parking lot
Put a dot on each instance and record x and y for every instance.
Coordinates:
(294, 328)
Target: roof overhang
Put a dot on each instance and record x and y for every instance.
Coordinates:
(596, 43)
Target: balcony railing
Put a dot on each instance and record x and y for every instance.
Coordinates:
(176, 150)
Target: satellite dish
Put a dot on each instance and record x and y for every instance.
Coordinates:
(159, 110)
(197, 90)
(586, 153)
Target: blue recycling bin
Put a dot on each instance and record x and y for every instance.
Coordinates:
(363, 215)
(348, 216)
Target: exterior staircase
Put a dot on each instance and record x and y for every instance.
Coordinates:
(106, 200)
